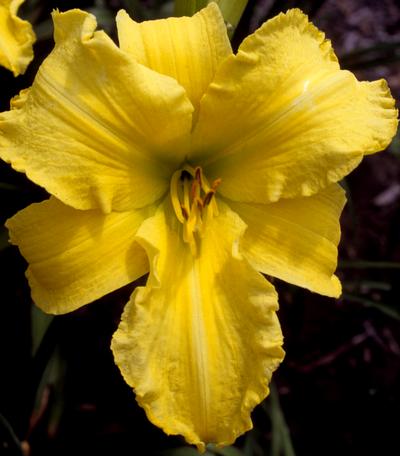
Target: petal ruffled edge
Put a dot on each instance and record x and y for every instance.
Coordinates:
(21, 37)
(281, 120)
(296, 239)
(101, 145)
(75, 256)
(197, 346)
(189, 49)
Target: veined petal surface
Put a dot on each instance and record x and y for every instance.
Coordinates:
(199, 343)
(16, 38)
(97, 129)
(77, 256)
(189, 49)
(296, 239)
(281, 119)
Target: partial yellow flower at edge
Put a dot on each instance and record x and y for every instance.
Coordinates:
(133, 157)
(16, 38)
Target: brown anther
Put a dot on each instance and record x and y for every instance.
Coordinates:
(200, 203)
(208, 197)
(194, 190)
(185, 213)
(216, 183)
(197, 175)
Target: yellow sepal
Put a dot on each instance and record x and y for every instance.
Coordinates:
(77, 256)
(296, 239)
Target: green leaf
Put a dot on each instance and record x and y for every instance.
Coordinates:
(52, 406)
(232, 10)
(188, 7)
(10, 440)
(384, 308)
(44, 30)
(105, 17)
(40, 322)
(227, 451)
(281, 443)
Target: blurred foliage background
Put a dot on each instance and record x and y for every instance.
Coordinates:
(338, 390)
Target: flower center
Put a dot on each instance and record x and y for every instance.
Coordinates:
(193, 202)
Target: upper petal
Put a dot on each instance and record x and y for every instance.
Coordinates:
(189, 49)
(199, 343)
(97, 129)
(296, 239)
(281, 119)
(77, 256)
(16, 38)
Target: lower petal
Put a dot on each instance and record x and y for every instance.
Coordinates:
(77, 256)
(296, 239)
(199, 343)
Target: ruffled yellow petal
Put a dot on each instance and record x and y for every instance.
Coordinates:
(97, 129)
(281, 119)
(77, 256)
(199, 343)
(16, 38)
(296, 239)
(189, 49)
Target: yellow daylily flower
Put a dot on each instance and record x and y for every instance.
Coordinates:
(170, 154)
(16, 38)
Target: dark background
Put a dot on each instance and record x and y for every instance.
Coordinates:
(338, 390)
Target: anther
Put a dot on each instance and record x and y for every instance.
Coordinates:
(195, 190)
(208, 197)
(216, 183)
(197, 174)
(200, 203)
(185, 212)
(194, 203)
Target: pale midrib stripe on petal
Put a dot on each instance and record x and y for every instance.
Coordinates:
(267, 127)
(116, 137)
(199, 343)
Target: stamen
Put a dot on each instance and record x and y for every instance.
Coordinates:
(186, 195)
(197, 174)
(193, 203)
(216, 183)
(199, 203)
(195, 192)
(208, 197)
(184, 213)
(174, 190)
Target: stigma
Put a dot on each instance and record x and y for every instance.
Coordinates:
(193, 200)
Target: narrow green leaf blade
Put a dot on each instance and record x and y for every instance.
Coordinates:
(188, 7)
(232, 11)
